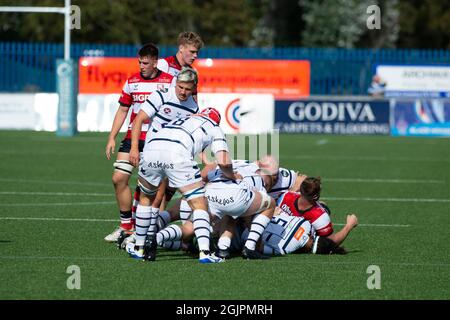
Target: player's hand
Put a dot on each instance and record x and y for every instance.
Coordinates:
(134, 157)
(352, 220)
(237, 176)
(110, 148)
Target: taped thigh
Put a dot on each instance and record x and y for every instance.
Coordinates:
(123, 166)
(194, 193)
(265, 202)
(147, 191)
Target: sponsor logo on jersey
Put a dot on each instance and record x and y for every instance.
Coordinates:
(221, 201)
(160, 165)
(167, 110)
(140, 97)
(162, 88)
(286, 209)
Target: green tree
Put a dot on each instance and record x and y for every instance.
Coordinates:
(424, 24)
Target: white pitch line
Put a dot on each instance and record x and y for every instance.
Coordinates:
(112, 220)
(55, 193)
(378, 225)
(57, 182)
(359, 158)
(55, 204)
(364, 263)
(387, 199)
(382, 180)
(58, 219)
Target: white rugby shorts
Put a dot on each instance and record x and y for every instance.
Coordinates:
(158, 164)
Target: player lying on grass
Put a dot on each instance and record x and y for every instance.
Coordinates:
(285, 234)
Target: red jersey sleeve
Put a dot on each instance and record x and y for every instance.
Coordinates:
(126, 98)
(320, 220)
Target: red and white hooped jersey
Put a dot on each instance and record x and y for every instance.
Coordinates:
(317, 215)
(170, 65)
(138, 89)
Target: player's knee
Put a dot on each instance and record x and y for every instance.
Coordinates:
(120, 180)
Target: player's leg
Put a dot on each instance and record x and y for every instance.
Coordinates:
(194, 194)
(227, 228)
(122, 172)
(146, 218)
(262, 208)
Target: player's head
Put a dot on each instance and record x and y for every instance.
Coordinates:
(189, 45)
(324, 245)
(269, 166)
(148, 59)
(186, 83)
(212, 113)
(310, 189)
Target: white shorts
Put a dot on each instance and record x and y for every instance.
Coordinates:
(229, 198)
(158, 164)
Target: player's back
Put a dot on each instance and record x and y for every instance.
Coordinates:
(188, 135)
(169, 108)
(286, 179)
(286, 234)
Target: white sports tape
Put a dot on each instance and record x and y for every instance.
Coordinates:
(146, 190)
(265, 202)
(314, 249)
(124, 166)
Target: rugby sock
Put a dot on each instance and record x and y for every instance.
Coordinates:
(268, 251)
(224, 243)
(202, 228)
(125, 220)
(143, 217)
(163, 220)
(185, 211)
(171, 233)
(137, 194)
(152, 229)
(172, 245)
(257, 228)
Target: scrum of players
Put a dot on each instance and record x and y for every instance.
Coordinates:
(230, 206)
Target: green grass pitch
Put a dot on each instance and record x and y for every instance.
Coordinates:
(57, 204)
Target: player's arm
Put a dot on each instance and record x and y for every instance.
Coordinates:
(135, 133)
(225, 164)
(339, 237)
(298, 181)
(206, 170)
(119, 119)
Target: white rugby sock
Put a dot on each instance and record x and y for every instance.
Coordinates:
(152, 229)
(143, 216)
(163, 220)
(257, 228)
(171, 233)
(202, 229)
(224, 243)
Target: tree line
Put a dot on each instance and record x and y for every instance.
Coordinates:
(240, 23)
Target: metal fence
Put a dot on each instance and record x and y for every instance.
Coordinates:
(30, 67)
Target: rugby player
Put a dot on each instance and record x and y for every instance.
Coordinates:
(170, 153)
(135, 91)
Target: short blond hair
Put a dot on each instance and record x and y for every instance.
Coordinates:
(188, 75)
(189, 37)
